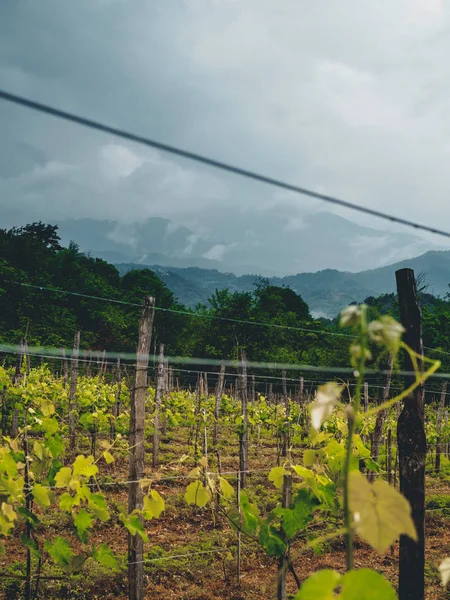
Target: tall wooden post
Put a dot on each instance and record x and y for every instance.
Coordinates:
(412, 447)
(219, 392)
(73, 388)
(381, 417)
(440, 414)
(136, 442)
(160, 385)
(366, 396)
(243, 446)
(116, 406)
(285, 441)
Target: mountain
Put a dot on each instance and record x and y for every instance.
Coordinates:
(276, 242)
(326, 291)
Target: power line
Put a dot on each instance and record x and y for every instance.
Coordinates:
(139, 139)
(182, 312)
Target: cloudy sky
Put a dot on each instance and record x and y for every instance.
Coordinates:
(349, 98)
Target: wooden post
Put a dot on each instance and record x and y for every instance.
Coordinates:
(283, 563)
(238, 570)
(73, 389)
(116, 406)
(285, 441)
(243, 446)
(253, 390)
(219, 392)
(65, 367)
(136, 442)
(160, 381)
(381, 417)
(440, 414)
(389, 456)
(412, 447)
(366, 396)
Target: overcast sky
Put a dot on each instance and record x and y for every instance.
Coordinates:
(350, 98)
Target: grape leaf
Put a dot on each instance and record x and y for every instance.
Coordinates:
(153, 505)
(41, 495)
(134, 525)
(309, 458)
(444, 569)
(97, 505)
(319, 586)
(381, 513)
(66, 502)
(226, 489)
(63, 477)
(270, 539)
(108, 457)
(84, 465)
(60, 551)
(31, 545)
(197, 494)
(296, 518)
(105, 556)
(366, 584)
(276, 475)
(83, 522)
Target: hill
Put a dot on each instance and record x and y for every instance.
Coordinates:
(326, 291)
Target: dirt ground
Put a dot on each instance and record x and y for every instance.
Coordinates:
(205, 567)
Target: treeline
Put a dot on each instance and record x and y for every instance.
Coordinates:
(271, 323)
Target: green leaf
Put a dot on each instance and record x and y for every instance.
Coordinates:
(76, 564)
(381, 513)
(29, 516)
(366, 584)
(66, 502)
(105, 556)
(134, 525)
(108, 457)
(50, 426)
(55, 445)
(309, 458)
(153, 505)
(97, 505)
(60, 551)
(250, 514)
(38, 449)
(320, 586)
(63, 477)
(295, 519)
(270, 539)
(226, 489)
(41, 495)
(84, 465)
(31, 545)
(83, 522)
(276, 475)
(197, 494)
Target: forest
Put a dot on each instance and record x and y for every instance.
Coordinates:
(271, 323)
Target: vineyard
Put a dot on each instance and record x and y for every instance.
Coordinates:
(117, 480)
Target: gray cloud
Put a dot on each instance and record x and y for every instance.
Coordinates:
(347, 98)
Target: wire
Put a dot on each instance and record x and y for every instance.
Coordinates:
(180, 312)
(60, 114)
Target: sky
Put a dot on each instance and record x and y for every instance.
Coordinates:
(347, 98)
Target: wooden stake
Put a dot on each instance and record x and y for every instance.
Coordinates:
(366, 396)
(285, 433)
(283, 563)
(412, 446)
(219, 392)
(440, 414)
(381, 417)
(243, 446)
(160, 382)
(389, 456)
(136, 442)
(73, 389)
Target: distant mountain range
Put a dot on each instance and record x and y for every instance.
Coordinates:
(326, 292)
(271, 243)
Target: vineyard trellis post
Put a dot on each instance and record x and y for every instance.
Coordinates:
(73, 388)
(219, 392)
(243, 446)
(116, 404)
(381, 417)
(137, 449)
(412, 446)
(440, 414)
(160, 384)
(285, 441)
(283, 563)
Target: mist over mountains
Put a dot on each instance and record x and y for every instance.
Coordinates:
(271, 243)
(332, 252)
